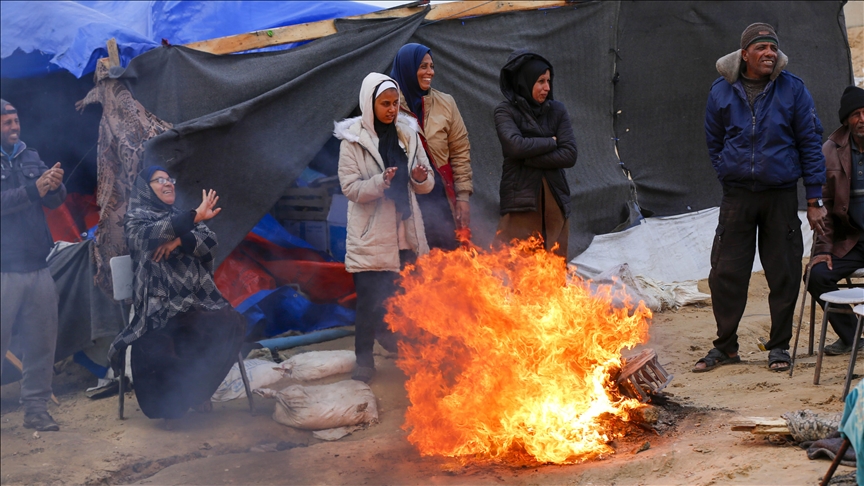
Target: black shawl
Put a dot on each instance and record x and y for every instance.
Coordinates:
(182, 281)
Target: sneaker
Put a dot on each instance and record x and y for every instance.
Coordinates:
(41, 421)
(838, 347)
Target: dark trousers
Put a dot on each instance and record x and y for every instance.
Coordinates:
(373, 288)
(772, 218)
(181, 365)
(824, 280)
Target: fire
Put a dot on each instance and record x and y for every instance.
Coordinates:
(510, 358)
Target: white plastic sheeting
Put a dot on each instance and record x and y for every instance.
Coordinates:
(669, 249)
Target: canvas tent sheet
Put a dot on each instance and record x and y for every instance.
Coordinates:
(247, 125)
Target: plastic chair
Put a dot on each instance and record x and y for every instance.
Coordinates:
(839, 302)
(848, 284)
(122, 278)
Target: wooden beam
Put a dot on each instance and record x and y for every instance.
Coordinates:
(760, 425)
(323, 28)
(113, 53)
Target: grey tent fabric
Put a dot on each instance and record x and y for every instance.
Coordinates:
(250, 151)
(579, 43)
(667, 52)
(246, 125)
(86, 313)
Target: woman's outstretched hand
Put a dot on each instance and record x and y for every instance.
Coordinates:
(165, 249)
(207, 210)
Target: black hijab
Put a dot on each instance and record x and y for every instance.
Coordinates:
(393, 156)
(525, 79)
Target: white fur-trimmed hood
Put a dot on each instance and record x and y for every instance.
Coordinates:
(729, 66)
(349, 128)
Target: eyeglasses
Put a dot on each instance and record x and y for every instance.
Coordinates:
(163, 181)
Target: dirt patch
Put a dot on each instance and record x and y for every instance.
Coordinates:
(693, 443)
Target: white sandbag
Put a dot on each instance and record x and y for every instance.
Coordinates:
(318, 364)
(261, 373)
(340, 404)
(673, 295)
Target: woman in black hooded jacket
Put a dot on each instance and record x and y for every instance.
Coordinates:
(538, 144)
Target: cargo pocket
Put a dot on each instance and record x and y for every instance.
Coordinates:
(718, 240)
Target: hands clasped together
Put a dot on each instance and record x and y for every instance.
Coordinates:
(50, 180)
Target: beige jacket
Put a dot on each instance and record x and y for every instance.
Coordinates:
(373, 237)
(447, 138)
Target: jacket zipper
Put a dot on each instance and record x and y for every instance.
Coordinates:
(753, 147)
(753, 132)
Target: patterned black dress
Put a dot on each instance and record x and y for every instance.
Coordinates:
(186, 336)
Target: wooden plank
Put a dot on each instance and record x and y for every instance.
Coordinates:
(754, 421)
(266, 38)
(113, 53)
(760, 425)
(323, 28)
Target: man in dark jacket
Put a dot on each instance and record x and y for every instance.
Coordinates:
(29, 296)
(840, 250)
(763, 135)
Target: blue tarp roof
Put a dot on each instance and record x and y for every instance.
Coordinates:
(39, 37)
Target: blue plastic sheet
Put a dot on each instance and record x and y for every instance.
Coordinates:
(270, 229)
(39, 37)
(284, 309)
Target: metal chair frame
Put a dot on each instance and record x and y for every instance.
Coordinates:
(848, 284)
(839, 308)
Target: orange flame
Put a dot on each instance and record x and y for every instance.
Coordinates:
(508, 361)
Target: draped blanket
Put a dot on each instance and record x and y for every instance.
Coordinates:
(124, 128)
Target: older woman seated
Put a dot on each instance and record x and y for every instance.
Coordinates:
(186, 335)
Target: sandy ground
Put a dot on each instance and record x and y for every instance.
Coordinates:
(94, 447)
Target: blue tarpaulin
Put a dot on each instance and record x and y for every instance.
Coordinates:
(284, 309)
(39, 37)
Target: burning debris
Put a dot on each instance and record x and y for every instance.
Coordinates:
(642, 376)
(510, 358)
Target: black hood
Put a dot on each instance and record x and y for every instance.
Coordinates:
(514, 63)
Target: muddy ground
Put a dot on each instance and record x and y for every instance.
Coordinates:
(228, 446)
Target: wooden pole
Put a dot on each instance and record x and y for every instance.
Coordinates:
(113, 53)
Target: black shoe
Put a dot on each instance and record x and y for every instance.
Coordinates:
(363, 373)
(40, 421)
(838, 347)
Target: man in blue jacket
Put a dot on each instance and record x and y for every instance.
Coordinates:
(763, 135)
(28, 295)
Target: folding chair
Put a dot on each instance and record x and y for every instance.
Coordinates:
(848, 284)
(122, 278)
(839, 302)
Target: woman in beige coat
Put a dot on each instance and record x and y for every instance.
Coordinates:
(381, 166)
(445, 138)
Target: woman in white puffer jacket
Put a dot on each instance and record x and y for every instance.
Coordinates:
(382, 165)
